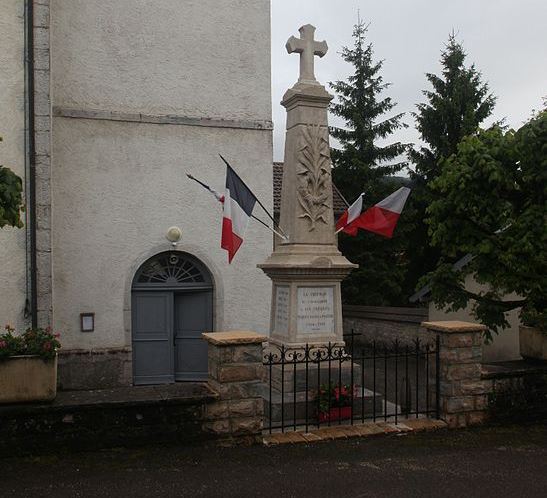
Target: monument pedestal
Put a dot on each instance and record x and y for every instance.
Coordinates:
(306, 297)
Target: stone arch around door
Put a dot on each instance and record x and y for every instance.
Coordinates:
(171, 306)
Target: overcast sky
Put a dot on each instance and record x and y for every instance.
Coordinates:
(507, 39)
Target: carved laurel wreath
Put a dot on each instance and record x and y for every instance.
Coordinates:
(313, 172)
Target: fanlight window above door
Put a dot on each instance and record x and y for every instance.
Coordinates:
(172, 269)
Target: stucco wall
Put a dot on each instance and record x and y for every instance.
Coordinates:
(118, 186)
(198, 58)
(505, 346)
(12, 155)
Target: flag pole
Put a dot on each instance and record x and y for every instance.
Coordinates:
(212, 191)
(257, 199)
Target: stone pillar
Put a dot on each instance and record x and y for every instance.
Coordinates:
(41, 163)
(307, 267)
(463, 399)
(236, 374)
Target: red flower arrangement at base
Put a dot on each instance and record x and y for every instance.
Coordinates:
(335, 402)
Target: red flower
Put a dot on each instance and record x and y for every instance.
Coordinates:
(47, 346)
(57, 335)
(3, 344)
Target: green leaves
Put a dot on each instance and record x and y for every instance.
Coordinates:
(361, 162)
(491, 202)
(454, 109)
(11, 200)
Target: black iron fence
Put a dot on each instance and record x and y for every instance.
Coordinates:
(319, 386)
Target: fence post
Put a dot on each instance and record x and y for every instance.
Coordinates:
(463, 398)
(236, 374)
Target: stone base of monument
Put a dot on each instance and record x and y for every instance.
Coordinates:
(293, 377)
(289, 382)
(289, 411)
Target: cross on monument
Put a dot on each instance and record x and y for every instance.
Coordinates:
(308, 48)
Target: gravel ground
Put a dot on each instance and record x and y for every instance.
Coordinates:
(491, 462)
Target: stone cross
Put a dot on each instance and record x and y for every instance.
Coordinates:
(308, 48)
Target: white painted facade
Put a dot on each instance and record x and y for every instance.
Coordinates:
(505, 345)
(12, 154)
(117, 186)
(141, 93)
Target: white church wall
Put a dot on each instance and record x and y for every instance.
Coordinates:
(12, 155)
(118, 185)
(197, 58)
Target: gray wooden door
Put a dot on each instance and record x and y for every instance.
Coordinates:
(172, 305)
(193, 316)
(152, 321)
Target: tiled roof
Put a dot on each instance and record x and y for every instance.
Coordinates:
(339, 203)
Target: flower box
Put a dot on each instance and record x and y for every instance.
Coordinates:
(533, 343)
(336, 413)
(28, 378)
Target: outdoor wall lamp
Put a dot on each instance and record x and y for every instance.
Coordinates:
(174, 234)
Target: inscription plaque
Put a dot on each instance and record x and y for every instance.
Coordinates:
(281, 319)
(316, 310)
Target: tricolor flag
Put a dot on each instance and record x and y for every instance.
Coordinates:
(382, 217)
(239, 202)
(350, 215)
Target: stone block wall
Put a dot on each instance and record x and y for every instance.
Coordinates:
(236, 374)
(92, 369)
(383, 324)
(463, 393)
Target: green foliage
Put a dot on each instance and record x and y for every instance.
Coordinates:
(38, 342)
(363, 165)
(335, 396)
(361, 162)
(491, 203)
(11, 200)
(455, 107)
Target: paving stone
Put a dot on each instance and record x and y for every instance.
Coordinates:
(284, 438)
(330, 433)
(387, 427)
(369, 429)
(311, 438)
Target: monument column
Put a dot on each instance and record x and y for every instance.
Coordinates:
(307, 268)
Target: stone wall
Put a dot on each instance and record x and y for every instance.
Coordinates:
(463, 399)
(236, 373)
(87, 369)
(383, 324)
(473, 392)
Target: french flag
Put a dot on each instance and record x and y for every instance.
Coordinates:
(239, 203)
(382, 217)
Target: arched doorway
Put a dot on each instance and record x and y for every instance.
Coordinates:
(171, 306)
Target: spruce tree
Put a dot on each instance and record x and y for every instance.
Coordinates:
(455, 107)
(361, 162)
(365, 163)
